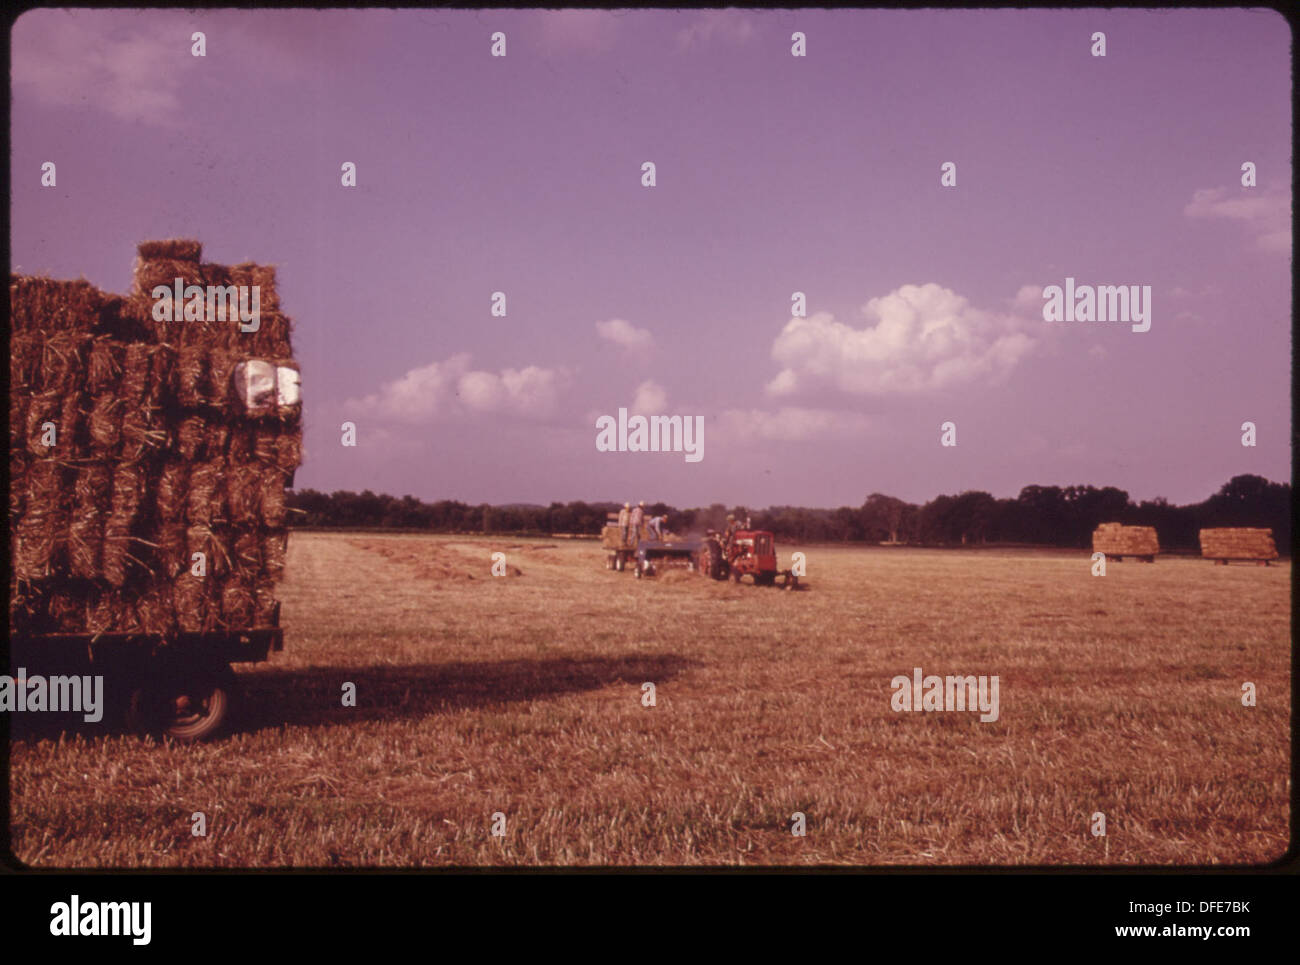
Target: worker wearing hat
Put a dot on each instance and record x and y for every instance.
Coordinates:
(623, 519)
(638, 515)
(729, 533)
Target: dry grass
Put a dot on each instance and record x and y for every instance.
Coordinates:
(1118, 694)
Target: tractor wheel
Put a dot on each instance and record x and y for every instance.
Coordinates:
(711, 560)
(765, 579)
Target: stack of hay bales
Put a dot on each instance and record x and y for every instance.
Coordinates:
(154, 456)
(1118, 541)
(1240, 543)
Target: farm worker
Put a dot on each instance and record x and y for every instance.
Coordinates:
(657, 527)
(730, 532)
(638, 516)
(623, 517)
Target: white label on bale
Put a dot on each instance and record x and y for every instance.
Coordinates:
(288, 385)
(255, 383)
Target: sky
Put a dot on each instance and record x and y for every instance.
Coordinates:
(774, 174)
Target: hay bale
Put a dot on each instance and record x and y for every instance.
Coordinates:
(215, 547)
(205, 480)
(41, 410)
(190, 598)
(172, 543)
(272, 499)
(243, 489)
(237, 603)
(73, 442)
(44, 521)
(43, 305)
(1238, 543)
(162, 262)
(171, 494)
(63, 361)
(275, 546)
(25, 357)
(105, 424)
(190, 436)
(104, 367)
(191, 376)
(92, 494)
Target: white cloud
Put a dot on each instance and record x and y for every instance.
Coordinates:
(1266, 214)
(451, 388)
(635, 340)
(731, 26)
(790, 424)
(918, 337)
(650, 399)
(1029, 300)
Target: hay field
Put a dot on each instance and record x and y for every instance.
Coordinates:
(522, 694)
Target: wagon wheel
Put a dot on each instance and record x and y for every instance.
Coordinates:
(187, 706)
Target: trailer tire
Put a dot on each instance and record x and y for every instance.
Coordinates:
(187, 706)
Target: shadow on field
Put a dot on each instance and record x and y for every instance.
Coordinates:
(313, 696)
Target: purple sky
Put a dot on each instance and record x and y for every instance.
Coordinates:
(775, 174)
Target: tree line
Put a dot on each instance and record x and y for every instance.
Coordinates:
(1043, 515)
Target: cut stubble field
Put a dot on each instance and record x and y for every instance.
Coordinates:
(523, 695)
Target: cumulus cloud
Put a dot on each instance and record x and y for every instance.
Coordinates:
(650, 399)
(1266, 214)
(918, 337)
(790, 424)
(451, 388)
(731, 26)
(637, 341)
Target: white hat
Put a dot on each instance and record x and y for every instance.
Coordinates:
(642, 503)
(627, 505)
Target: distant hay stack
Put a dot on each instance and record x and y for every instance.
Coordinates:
(1118, 541)
(156, 455)
(1244, 544)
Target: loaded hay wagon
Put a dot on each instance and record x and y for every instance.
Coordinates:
(1238, 544)
(1118, 541)
(149, 456)
(620, 553)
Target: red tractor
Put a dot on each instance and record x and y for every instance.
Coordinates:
(751, 553)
